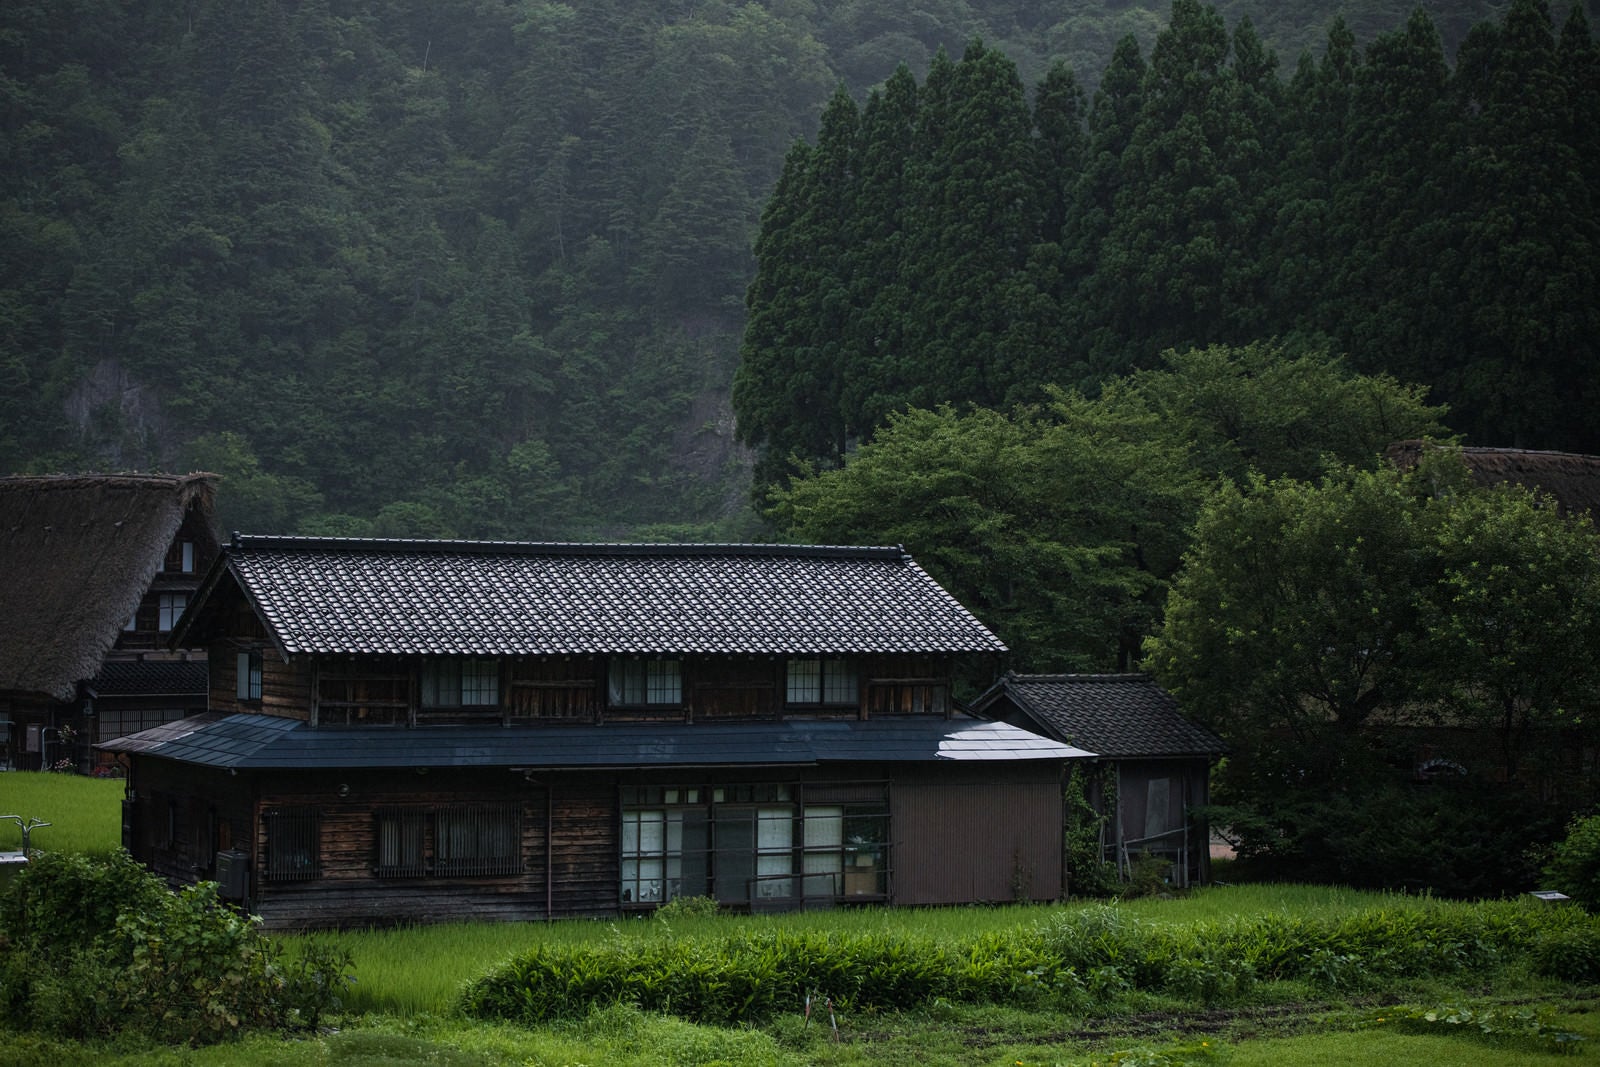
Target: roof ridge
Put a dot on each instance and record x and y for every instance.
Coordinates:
(269, 542)
(1415, 444)
(1113, 676)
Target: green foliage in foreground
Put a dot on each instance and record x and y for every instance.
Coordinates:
(93, 947)
(1074, 961)
(82, 812)
(1575, 865)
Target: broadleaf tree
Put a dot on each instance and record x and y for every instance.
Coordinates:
(1335, 633)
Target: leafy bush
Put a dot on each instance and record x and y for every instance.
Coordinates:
(61, 903)
(1571, 955)
(98, 946)
(1575, 863)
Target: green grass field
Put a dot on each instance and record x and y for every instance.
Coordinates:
(400, 1012)
(84, 813)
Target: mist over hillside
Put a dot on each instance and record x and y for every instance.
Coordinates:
(465, 268)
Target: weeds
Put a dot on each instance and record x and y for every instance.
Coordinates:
(1522, 1027)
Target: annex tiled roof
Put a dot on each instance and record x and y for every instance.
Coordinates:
(150, 677)
(356, 596)
(1118, 716)
(246, 742)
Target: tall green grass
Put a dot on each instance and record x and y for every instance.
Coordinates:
(1070, 960)
(423, 970)
(84, 813)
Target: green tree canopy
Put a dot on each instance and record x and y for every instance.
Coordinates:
(1329, 630)
(1060, 525)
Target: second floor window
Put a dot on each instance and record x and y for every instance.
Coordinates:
(249, 675)
(461, 683)
(821, 681)
(172, 605)
(636, 682)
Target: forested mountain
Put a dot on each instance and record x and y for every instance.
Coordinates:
(478, 267)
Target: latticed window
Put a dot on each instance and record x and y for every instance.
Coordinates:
(822, 681)
(477, 839)
(402, 842)
(664, 844)
(636, 682)
(294, 838)
(458, 841)
(460, 683)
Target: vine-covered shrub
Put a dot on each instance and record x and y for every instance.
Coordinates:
(94, 946)
(1076, 958)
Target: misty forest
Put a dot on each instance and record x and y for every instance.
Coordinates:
(624, 270)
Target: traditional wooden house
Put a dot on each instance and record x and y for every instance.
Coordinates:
(405, 731)
(96, 569)
(1152, 768)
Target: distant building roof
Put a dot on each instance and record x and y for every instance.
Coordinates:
(261, 742)
(1118, 716)
(357, 596)
(1572, 479)
(77, 554)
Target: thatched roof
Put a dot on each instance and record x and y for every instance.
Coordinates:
(1572, 479)
(77, 554)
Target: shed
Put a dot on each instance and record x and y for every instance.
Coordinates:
(1152, 764)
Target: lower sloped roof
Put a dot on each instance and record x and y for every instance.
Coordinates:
(1118, 716)
(257, 742)
(151, 677)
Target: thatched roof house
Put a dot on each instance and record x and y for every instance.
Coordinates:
(1573, 480)
(79, 558)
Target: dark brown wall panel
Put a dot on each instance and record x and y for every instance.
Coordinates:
(958, 839)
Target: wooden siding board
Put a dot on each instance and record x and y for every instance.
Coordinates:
(959, 839)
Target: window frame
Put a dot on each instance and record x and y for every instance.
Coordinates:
(475, 825)
(644, 682)
(835, 682)
(445, 677)
(169, 609)
(408, 839)
(247, 676)
(293, 844)
(761, 845)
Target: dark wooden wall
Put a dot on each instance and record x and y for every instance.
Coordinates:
(957, 834)
(964, 835)
(348, 892)
(176, 818)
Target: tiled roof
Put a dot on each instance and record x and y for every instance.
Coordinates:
(265, 742)
(356, 596)
(147, 677)
(1118, 716)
